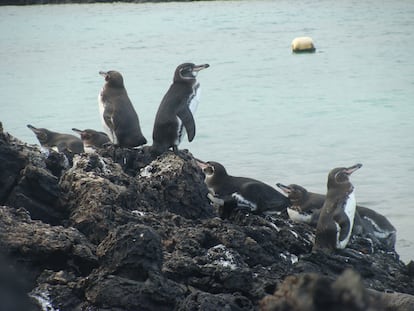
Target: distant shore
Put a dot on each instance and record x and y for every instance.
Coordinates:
(31, 2)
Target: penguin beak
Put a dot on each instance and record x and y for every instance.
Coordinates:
(285, 189)
(77, 131)
(201, 164)
(207, 168)
(34, 129)
(352, 169)
(103, 74)
(197, 68)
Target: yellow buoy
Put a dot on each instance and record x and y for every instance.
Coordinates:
(303, 44)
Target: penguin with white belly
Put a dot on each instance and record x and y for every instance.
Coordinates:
(337, 215)
(241, 192)
(119, 117)
(175, 113)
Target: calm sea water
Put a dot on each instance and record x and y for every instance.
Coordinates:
(264, 112)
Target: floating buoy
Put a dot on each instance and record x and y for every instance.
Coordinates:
(302, 45)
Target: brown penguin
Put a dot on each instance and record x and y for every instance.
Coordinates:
(337, 214)
(119, 117)
(92, 139)
(63, 142)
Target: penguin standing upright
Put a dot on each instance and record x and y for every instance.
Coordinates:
(337, 215)
(306, 207)
(175, 113)
(119, 117)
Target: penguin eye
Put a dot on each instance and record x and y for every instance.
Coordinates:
(341, 177)
(187, 72)
(42, 137)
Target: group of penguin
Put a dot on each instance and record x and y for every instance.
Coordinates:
(120, 120)
(335, 215)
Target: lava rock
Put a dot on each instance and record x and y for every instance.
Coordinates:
(39, 246)
(38, 192)
(132, 251)
(309, 292)
(115, 292)
(212, 302)
(121, 230)
(174, 183)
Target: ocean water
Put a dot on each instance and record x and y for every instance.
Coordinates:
(264, 112)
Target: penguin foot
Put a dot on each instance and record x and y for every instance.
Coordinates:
(224, 207)
(217, 202)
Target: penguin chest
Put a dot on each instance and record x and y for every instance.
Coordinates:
(89, 148)
(192, 102)
(208, 181)
(102, 107)
(349, 207)
(297, 215)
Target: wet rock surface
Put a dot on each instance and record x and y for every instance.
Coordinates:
(120, 230)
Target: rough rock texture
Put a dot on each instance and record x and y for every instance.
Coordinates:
(120, 230)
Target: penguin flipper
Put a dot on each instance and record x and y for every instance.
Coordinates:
(107, 118)
(344, 227)
(187, 119)
(61, 147)
(277, 205)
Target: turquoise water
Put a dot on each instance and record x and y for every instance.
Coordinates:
(264, 112)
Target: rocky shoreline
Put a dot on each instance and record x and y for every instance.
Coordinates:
(120, 230)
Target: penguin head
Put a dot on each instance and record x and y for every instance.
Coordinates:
(41, 134)
(295, 193)
(188, 71)
(88, 136)
(340, 175)
(113, 78)
(85, 134)
(212, 170)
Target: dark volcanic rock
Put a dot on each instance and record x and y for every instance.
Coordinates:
(100, 195)
(11, 163)
(92, 194)
(112, 292)
(310, 292)
(27, 179)
(210, 302)
(174, 183)
(132, 251)
(120, 230)
(42, 246)
(38, 192)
